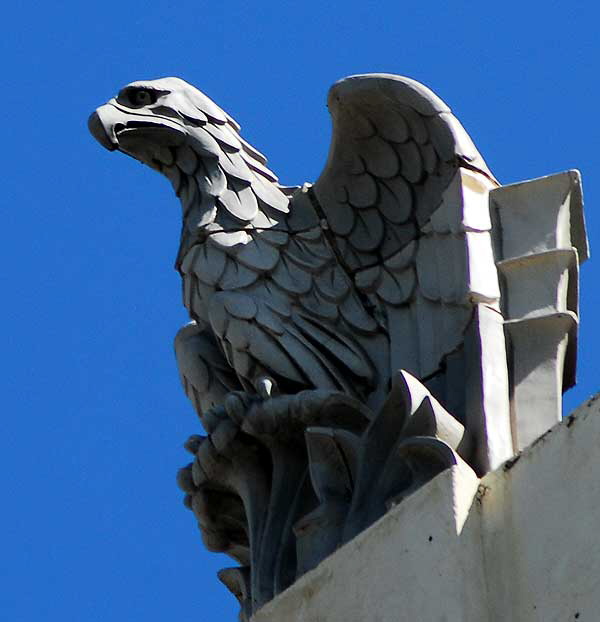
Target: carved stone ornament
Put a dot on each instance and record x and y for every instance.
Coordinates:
(352, 338)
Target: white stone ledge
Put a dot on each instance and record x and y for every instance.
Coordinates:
(522, 544)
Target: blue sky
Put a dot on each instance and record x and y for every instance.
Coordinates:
(93, 526)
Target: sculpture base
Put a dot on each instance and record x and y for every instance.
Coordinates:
(519, 544)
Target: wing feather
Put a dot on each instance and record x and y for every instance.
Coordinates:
(257, 255)
(210, 264)
(203, 143)
(269, 320)
(331, 284)
(410, 158)
(269, 194)
(362, 190)
(393, 128)
(247, 199)
(317, 306)
(379, 157)
(368, 230)
(342, 349)
(229, 200)
(236, 276)
(292, 281)
(318, 370)
(299, 254)
(223, 135)
(235, 167)
(356, 317)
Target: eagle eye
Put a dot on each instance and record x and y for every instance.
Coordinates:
(136, 98)
(142, 97)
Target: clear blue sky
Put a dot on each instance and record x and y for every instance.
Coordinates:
(92, 526)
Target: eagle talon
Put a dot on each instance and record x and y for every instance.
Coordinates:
(210, 419)
(236, 406)
(266, 387)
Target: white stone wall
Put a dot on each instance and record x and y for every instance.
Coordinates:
(520, 545)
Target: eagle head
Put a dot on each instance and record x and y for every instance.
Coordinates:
(175, 129)
(148, 118)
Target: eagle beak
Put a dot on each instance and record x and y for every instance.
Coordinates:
(98, 131)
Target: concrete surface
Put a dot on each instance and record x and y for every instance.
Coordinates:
(519, 545)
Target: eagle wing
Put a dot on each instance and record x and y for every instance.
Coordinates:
(394, 194)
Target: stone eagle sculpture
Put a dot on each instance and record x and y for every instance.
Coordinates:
(330, 286)
(405, 254)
